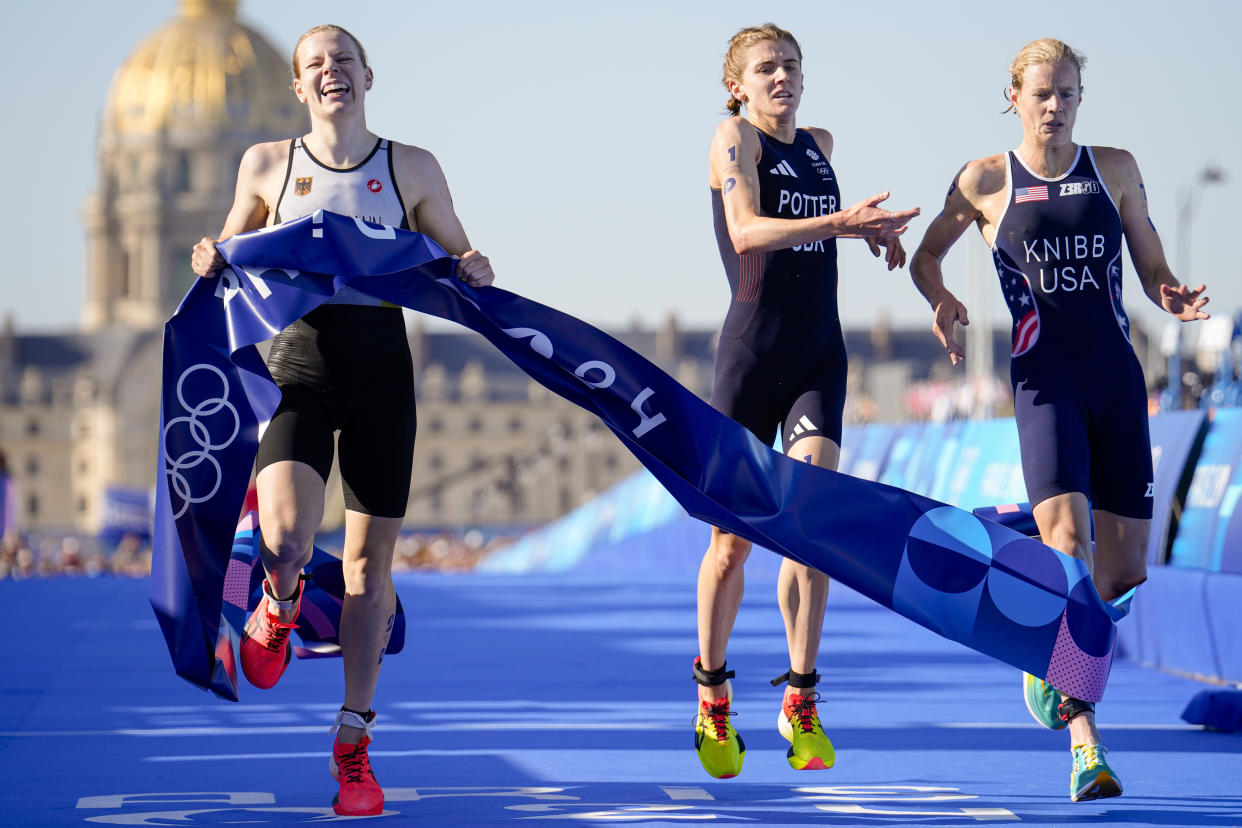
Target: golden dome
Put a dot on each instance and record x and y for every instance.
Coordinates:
(203, 71)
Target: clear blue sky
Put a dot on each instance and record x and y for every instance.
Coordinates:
(574, 135)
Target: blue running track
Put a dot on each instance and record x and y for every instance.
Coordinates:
(567, 700)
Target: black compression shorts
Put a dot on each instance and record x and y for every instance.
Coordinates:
(1086, 434)
(347, 368)
(804, 395)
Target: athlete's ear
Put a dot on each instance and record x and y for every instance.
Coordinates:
(368, 79)
(297, 91)
(735, 89)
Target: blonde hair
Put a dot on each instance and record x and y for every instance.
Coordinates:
(1044, 50)
(327, 27)
(735, 58)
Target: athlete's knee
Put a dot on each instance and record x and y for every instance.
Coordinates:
(728, 553)
(1113, 585)
(813, 578)
(1066, 537)
(287, 545)
(368, 576)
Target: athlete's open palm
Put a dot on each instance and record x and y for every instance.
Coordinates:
(867, 218)
(1183, 302)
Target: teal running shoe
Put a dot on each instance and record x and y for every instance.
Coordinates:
(1091, 777)
(1042, 700)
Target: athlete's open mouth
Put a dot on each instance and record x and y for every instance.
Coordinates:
(335, 87)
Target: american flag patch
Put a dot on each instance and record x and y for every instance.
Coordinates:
(1022, 194)
(1025, 333)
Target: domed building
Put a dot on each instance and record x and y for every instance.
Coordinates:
(181, 111)
(79, 411)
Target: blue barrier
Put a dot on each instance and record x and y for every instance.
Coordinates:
(1185, 619)
(632, 508)
(865, 450)
(1208, 521)
(1176, 436)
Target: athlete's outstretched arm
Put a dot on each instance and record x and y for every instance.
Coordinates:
(250, 208)
(944, 230)
(1161, 286)
(734, 162)
(430, 208)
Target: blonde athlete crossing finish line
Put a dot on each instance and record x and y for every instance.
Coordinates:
(344, 367)
(1055, 214)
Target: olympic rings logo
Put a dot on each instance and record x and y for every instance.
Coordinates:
(202, 437)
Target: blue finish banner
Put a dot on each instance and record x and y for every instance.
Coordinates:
(969, 579)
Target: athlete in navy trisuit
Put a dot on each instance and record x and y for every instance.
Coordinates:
(781, 362)
(344, 367)
(1055, 214)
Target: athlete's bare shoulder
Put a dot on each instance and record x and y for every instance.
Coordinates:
(737, 131)
(416, 169)
(260, 159)
(260, 177)
(1120, 174)
(982, 178)
(823, 139)
(735, 150)
(409, 154)
(1113, 161)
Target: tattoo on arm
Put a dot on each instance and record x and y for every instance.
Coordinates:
(952, 189)
(729, 184)
(733, 154)
(1143, 190)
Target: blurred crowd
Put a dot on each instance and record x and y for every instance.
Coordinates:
(963, 398)
(444, 551)
(23, 556)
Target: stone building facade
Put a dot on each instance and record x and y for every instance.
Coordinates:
(79, 410)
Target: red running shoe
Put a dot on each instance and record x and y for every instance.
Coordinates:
(360, 793)
(265, 650)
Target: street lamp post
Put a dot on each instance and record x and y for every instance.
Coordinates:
(1211, 174)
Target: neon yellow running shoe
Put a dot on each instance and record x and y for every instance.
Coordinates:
(1042, 700)
(810, 748)
(720, 749)
(1091, 777)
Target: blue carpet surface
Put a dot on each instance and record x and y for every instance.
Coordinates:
(536, 698)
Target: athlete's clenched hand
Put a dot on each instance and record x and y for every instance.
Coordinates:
(474, 269)
(206, 260)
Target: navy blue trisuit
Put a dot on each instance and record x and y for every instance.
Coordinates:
(1080, 400)
(781, 362)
